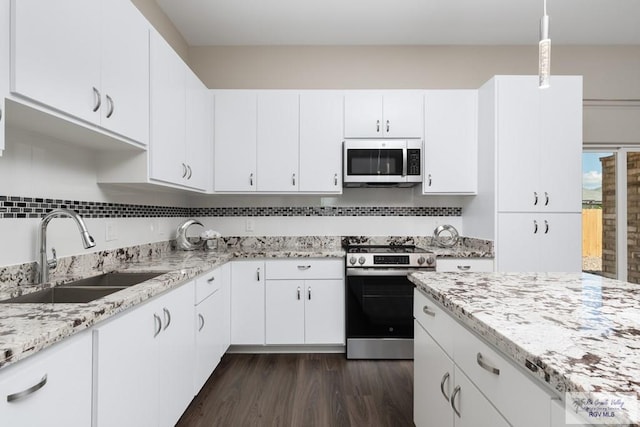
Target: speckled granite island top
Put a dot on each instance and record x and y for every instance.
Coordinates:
(582, 330)
(27, 328)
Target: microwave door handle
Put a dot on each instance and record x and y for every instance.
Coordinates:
(404, 161)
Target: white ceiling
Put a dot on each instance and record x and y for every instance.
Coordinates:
(402, 22)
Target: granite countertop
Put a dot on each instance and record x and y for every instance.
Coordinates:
(27, 328)
(581, 330)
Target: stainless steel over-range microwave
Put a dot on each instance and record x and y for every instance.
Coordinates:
(382, 162)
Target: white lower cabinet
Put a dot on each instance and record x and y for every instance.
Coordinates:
(247, 302)
(469, 383)
(51, 388)
(143, 374)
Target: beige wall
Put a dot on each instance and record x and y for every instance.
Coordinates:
(161, 22)
(610, 72)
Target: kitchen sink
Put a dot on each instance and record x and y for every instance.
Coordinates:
(85, 290)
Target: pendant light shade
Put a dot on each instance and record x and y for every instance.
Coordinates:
(544, 51)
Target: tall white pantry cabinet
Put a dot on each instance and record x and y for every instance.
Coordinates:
(530, 180)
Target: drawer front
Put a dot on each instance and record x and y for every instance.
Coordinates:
(434, 320)
(208, 283)
(461, 265)
(512, 391)
(305, 268)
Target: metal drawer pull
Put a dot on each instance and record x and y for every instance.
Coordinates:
(387, 125)
(535, 198)
(258, 274)
(445, 377)
(201, 317)
(464, 267)
(546, 197)
(546, 226)
(184, 170)
(309, 293)
(293, 179)
(304, 267)
(98, 98)
(111, 107)
(251, 180)
(24, 393)
(189, 168)
(483, 365)
(377, 125)
(167, 316)
(158, 322)
(428, 312)
(453, 401)
(535, 226)
(429, 180)
(211, 279)
(335, 179)
(298, 292)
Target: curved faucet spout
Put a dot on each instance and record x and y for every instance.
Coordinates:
(43, 264)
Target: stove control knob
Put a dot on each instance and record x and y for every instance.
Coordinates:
(352, 260)
(361, 260)
(431, 260)
(421, 260)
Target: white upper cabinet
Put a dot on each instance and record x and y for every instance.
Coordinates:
(277, 141)
(388, 114)
(5, 60)
(450, 142)
(85, 58)
(235, 132)
(198, 133)
(321, 128)
(539, 135)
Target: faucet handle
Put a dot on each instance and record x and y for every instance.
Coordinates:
(53, 263)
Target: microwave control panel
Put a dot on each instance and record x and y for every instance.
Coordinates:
(413, 161)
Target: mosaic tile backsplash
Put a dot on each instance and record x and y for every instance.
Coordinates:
(35, 207)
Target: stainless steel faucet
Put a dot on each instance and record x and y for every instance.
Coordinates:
(44, 265)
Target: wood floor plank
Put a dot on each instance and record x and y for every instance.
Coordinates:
(304, 390)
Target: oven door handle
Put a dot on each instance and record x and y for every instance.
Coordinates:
(377, 272)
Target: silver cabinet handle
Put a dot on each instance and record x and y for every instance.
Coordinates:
(535, 226)
(377, 125)
(429, 180)
(158, 322)
(201, 317)
(546, 226)
(111, 107)
(546, 198)
(453, 402)
(184, 170)
(167, 318)
(251, 179)
(24, 393)
(298, 292)
(293, 179)
(535, 198)
(189, 170)
(483, 365)
(309, 293)
(428, 312)
(304, 267)
(335, 179)
(445, 378)
(387, 126)
(98, 99)
(211, 279)
(464, 267)
(258, 273)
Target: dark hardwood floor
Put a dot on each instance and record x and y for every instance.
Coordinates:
(304, 390)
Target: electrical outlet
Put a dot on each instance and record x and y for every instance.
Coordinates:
(250, 225)
(110, 231)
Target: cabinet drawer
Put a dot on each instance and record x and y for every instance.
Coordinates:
(208, 283)
(434, 320)
(464, 265)
(507, 388)
(305, 268)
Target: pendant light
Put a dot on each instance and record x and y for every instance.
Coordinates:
(544, 51)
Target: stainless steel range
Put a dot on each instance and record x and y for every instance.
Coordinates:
(379, 299)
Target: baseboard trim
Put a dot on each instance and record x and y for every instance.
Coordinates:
(257, 349)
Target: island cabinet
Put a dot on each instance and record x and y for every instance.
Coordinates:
(86, 58)
(212, 322)
(143, 369)
(383, 114)
(460, 380)
(304, 302)
(51, 388)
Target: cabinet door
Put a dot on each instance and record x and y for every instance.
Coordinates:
(278, 115)
(324, 312)
(207, 339)
(433, 382)
(561, 242)
(561, 145)
(363, 114)
(235, 141)
(63, 372)
(56, 54)
(321, 128)
(167, 145)
(198, 133)
(285, 312)
(247, 302)
(450, 142)
(5, 64)
(518, 242)
(175, 353)
(125, 70)
(127, 353)
(403, 114)
(473, 407)
(518, 121)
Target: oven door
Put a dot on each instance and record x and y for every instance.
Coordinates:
(379, 314)
(375, 161)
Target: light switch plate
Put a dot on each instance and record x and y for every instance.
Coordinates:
(250, 225)
(110, 231)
